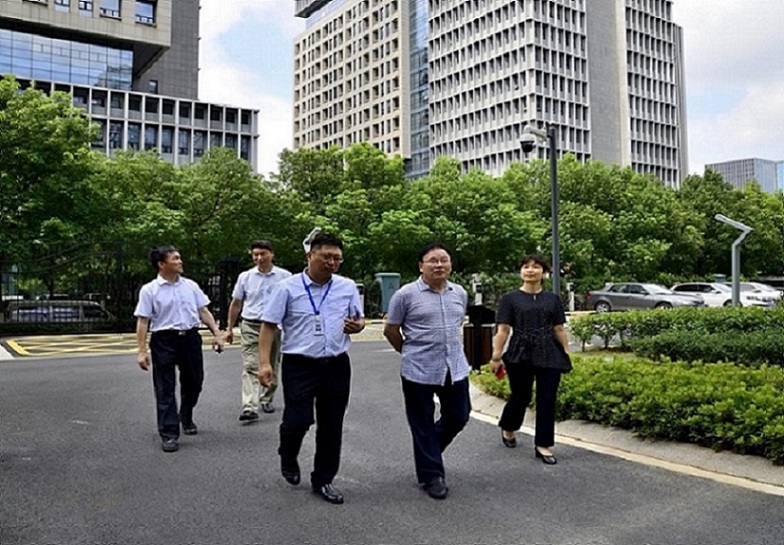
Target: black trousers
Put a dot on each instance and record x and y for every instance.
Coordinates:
(432, 437)
(172, 350)
(521, 381)
(323, 383)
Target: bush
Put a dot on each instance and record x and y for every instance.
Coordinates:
(753, 348)
(634, 325)
(722, 406)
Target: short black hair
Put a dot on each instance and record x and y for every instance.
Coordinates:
(261, 244)
(429, 248)
(158, 255)
(535, 258)
(325, 239)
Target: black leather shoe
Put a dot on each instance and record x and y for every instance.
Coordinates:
(170, 445)
(190, 429)
(437, 489)
(329, 493)
(290, 471)
(509, 443)
(267, 408)
(248, 415)
(546, 459)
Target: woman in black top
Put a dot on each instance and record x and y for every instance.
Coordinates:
(538, 350)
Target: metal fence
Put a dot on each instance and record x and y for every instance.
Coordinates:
(94, 288)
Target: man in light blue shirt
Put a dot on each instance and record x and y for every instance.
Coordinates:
(425, 324)
(252, 290)
(317, 310)
(171, 308)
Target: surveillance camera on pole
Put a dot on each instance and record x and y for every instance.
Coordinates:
(745, 230)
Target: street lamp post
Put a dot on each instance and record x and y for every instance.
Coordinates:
(744, 230)
(527, 145)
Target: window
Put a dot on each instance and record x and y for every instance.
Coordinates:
(110, 8)
(145, 12)
(86, 8)
(152, 86)
(62, 5)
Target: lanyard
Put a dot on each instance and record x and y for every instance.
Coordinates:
(316, 310)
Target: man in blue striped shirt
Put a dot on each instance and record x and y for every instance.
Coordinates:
(424, 324)
(317, 310)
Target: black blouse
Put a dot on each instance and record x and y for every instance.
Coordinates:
(532, 318)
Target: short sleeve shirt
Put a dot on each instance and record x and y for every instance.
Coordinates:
(532, 318)
(432, 326)
(254, 288)
(171, 305)
(293, 309)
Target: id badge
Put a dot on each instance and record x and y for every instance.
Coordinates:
(318, 330)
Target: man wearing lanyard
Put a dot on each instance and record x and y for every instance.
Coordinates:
(430, 313)
(317, 311)
(252, 290)
(171, 307)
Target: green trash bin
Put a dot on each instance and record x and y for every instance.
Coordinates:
(390, 283)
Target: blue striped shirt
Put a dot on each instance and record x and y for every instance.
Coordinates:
(290, 307)
(432, 326)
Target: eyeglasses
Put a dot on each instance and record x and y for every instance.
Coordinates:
(337, 258)
(444, 261)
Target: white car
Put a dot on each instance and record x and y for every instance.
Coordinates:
(716, 294)
(759, 291)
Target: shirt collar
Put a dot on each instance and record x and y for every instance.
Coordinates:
(424, 287)
(161, 281)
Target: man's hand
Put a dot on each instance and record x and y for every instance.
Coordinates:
(217, 343)
(229, 337)
(265, 375)
(353, 325)
(143, 360)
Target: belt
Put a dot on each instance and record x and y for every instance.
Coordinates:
(177, 332)
(254, 322)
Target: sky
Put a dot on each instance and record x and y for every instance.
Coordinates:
(734, 66)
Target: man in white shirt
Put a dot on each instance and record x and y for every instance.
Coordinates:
(252, 291)
(172, 307)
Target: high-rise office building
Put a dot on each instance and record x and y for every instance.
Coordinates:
(466, 76)
(132, 65)
(768, 174)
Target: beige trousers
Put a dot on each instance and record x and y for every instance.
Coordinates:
(251, 389)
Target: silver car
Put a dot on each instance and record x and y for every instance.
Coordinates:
(637, 296)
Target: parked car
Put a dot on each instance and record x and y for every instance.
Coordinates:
(714, 294)
(776, 282)
(635, 296)
(57, 311)
(757, 291)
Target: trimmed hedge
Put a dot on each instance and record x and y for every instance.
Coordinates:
(722, 406)
(753, 348)
(629, 326)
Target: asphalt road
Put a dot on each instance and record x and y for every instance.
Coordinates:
(80, 463)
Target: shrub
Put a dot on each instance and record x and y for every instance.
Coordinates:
(719, 405)
(757, 347)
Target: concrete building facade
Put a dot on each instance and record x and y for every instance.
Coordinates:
(768, 174)
(132, 65)
(607, 73)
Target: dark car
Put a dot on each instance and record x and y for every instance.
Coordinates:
(636, 296)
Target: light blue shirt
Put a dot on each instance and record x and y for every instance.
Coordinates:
(254, 288)
(171, 305)
(432, 327)
(291, 308)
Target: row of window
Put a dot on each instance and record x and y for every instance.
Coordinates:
(135, 136)
(144, 12)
